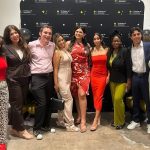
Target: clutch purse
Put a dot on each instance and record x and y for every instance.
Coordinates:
(57, 103)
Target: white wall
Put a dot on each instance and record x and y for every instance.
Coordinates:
(146, 14)
(10, 14)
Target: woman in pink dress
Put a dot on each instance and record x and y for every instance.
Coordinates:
(79, 49)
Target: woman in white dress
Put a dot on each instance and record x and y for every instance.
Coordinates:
(62, 79)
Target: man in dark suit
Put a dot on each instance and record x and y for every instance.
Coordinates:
(140, 56)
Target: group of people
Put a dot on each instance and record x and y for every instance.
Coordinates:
(68, 68)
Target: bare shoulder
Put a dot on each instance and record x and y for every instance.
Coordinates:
(57, 52)
(107, 49)
(68, 45)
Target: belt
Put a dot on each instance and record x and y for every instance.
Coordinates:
(41, 74)
(139, 74)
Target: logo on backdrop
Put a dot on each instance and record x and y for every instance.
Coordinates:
(101, 16)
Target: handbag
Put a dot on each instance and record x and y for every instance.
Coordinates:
(57, 103)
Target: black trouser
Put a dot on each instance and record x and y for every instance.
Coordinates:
(42, 86)
(18, 89)
(140, 88)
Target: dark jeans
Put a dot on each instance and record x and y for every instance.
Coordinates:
(42, 86)
(140, 89)
(18, 89)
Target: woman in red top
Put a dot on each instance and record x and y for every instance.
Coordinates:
(3, 99)
(99, 76)
(80, 73)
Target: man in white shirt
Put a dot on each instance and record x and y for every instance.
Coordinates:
(140, 56)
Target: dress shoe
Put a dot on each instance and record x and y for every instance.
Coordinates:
(25, 134)
(118, 127)
(112, 124)
(38, 134)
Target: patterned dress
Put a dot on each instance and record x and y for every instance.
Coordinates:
(4, 96)
(80, 69)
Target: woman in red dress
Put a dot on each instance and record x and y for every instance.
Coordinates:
(79, 49)
(99, 76)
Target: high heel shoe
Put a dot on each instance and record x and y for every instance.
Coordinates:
(94, 127)
(83, 128)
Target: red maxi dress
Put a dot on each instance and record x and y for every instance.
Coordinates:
(98, 79)
(80, 69)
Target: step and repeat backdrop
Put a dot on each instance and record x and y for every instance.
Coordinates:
(101, 16)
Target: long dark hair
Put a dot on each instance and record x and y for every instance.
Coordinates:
(84, 40)
(21, 44)
(1, 46)
(101, 38)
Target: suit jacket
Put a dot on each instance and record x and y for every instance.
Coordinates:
(120, 70)
(17, 68)
(146, 46)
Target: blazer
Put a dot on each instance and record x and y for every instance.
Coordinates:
(120, 70)
(146, 46)
(17, 68)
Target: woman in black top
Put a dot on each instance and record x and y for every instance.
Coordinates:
(119, 67)
(18, 72)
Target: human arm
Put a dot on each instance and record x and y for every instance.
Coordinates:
(56, 61)
(128, 69)
(107, 79)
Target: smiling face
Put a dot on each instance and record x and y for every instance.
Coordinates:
(61, 42)
(136, 37)
(14, 36)
(45, 35)
(79, 34)
(116, 42)
(97, 40)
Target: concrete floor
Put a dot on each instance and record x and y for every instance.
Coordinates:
(104, 138)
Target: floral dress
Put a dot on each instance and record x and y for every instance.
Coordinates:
(80, 69)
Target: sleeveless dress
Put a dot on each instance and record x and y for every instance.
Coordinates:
(64, 81)
(80, 69)
(98, 79)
